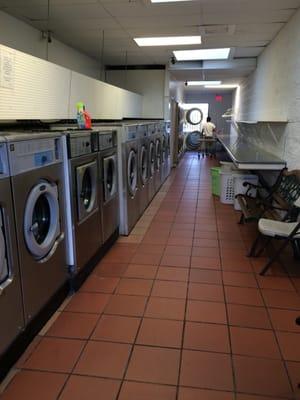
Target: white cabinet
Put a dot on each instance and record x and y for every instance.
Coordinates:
(38, 89)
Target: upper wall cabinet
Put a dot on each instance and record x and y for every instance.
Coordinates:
(32, 88)
(131, 104)
(103, 101)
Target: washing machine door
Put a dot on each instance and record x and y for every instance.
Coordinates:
(41, 220)
(144, 165)
(164, 149)
(158, 153)
(86, 180)
(4, 270)
(152, 159)
(110, 177)
(132, 173)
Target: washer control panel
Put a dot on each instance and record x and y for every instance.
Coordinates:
(79, 144)
(131, 132)
(143, 131)
(26, 155)
(107, 140)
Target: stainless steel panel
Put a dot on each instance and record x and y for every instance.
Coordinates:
(11, 308)
(87, 232)
(40, 279)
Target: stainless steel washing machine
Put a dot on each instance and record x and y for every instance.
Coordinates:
(84, 223)
(158, 158)
(11, 304)
(108, 183)
(143, 166)
(131, 181)
(37, 179)
(151, 161)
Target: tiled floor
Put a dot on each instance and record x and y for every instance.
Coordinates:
(174, 311)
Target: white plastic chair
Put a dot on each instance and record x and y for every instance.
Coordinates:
(285, 231)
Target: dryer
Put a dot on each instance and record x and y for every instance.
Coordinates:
(84, 223)
(152, 162)
(143, 166)
(108, 182)
(37, 180)
(11, 304)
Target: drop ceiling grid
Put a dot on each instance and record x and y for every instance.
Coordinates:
(80, 24)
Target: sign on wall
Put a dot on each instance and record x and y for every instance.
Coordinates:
(7, 69)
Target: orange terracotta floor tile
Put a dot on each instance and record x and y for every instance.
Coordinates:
(155, 365)
(86, 387)
(174, 311)
(103, 359)
(146, 391)
(116, 328)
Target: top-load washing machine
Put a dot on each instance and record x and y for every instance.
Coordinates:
(108, 184)
(84, 224)
(143, 166)
(11, 305)
(37, 180)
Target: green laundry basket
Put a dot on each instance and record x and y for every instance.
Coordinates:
(215, 180)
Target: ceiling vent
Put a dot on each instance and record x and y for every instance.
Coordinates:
(210, 30)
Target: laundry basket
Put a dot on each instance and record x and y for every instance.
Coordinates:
(215, 180)
(227, 188)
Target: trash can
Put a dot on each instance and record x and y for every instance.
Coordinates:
(215, 180)
(238, 180)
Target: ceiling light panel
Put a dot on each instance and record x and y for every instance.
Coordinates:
(202, 54)
(222, 86)
(167, 1)
(203, 83)
(168, 41)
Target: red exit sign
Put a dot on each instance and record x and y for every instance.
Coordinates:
(219, 98)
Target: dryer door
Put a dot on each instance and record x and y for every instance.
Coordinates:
(152, 159)
(132, 173)
(86, 180)
(4, 271)
(158, 153)
(41, 219)
(110, 177)
(144, 165)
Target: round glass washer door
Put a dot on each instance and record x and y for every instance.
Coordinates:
(86, 180)
(158, 153)
(152, 159)
(144, 165)
(110, 177)
(41, 219)
(132, 172)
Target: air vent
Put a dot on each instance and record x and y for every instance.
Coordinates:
(209, 30)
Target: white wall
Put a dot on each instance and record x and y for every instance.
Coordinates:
(21, 36)
(149, 83)
(272, 93)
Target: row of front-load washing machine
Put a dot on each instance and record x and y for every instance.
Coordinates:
(144, 156)
(63, 197)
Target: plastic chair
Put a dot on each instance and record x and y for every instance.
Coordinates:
(288, 232)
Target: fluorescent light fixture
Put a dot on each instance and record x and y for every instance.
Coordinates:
(168, 40)
(166, 1)
(221, 86)
(202, 54)
(203, 83)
